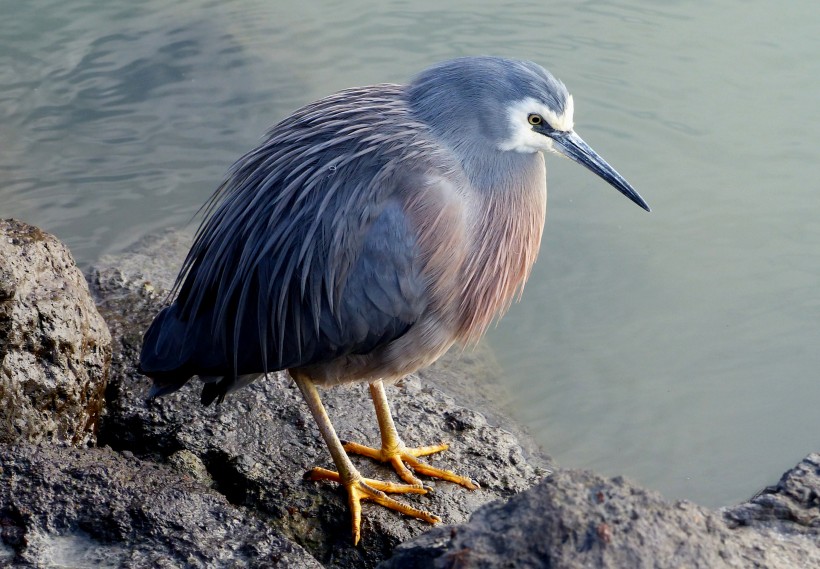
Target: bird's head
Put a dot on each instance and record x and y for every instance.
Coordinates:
(509, 106)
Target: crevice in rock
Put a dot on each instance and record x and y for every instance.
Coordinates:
(227, 478)
(12, 529)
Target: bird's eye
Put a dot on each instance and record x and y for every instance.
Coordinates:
(535, 120)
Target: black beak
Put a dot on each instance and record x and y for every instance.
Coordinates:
(572, 146)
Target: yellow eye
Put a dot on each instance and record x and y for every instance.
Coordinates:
(535, 120)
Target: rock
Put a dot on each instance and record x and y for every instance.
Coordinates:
(576, 519)
(68, 507)
(792, 506)
(54, 346)
(258, 444)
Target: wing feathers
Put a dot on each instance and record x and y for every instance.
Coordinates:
(307, 253)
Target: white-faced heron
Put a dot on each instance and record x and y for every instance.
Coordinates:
(368, 233)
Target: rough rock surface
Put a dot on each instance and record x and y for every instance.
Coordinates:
(68, 507)
(790, 507)
(257, 445)
(54, 346)
(576, 519)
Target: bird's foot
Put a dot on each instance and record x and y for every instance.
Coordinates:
(401, 456)
(360, 488)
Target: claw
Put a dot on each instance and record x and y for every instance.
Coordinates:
(360, 489)
(401, 456)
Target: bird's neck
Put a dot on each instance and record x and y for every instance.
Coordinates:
(505, 223)
(494, 172)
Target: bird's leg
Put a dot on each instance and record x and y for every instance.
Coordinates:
(358, 488)
(394, 452)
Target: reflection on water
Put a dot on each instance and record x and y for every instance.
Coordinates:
(677, 347)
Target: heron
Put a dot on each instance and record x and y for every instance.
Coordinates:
(369, 232)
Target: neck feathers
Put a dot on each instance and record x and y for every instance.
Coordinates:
(506, 231)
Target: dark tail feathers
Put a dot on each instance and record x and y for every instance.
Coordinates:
(165, 353)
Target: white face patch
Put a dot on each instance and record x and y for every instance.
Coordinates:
(524, 138)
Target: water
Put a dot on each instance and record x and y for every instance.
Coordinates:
(677, 347)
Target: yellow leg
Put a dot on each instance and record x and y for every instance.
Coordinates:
(358, 488)
(394, 452)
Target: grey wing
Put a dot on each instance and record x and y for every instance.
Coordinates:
(293, 268)
(382, 296)
(303, 296)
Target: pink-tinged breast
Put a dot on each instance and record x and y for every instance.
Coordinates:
(506, 236)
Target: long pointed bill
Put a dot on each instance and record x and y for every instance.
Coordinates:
(572, 146)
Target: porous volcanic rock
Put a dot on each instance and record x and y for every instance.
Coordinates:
(69, 507)
(54, 346)
(576, 519)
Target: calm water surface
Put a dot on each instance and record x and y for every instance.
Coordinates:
(678, 347)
